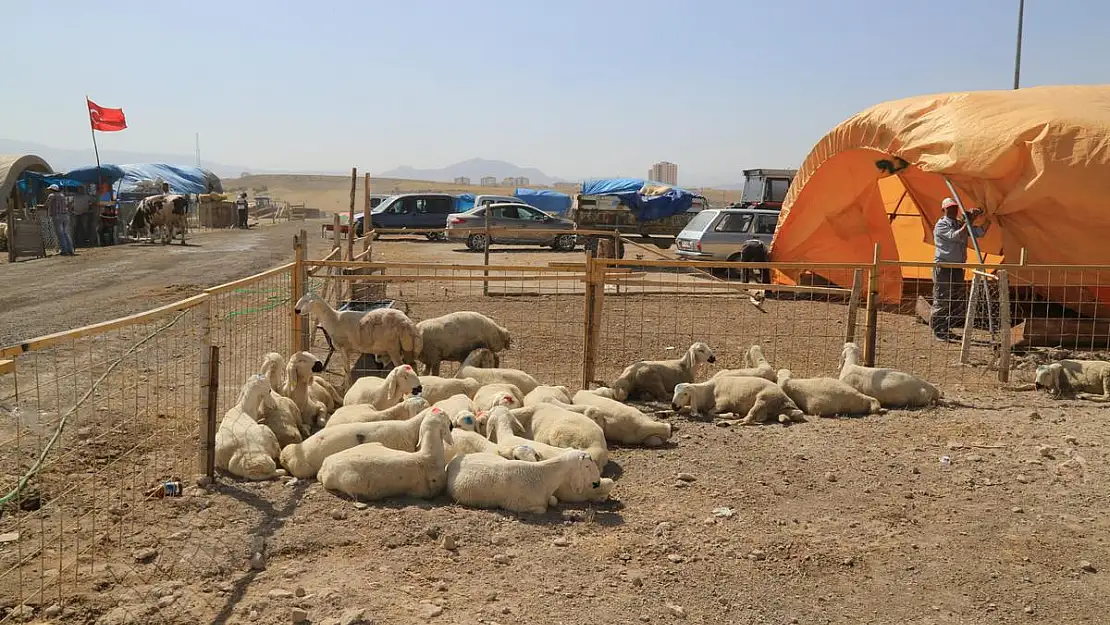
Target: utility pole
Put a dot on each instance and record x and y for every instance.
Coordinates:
(1017, 56)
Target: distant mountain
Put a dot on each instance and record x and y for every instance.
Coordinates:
(474, 169)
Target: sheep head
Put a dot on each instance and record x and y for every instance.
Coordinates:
(466, 420)
(306, 303)
(525, 453)
(1050, 377)
(754, 357)
(848, 355)
(700, 352)
(256, 388)
(435, 424)
(482, 358)
(683, 396)
(272, 368)
(403, 380)
(784, 375)
(299, 370)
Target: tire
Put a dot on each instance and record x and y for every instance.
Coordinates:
(476, 242)
(433, 236)
(565, 243)
(358, 229)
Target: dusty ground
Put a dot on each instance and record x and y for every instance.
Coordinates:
(994, 514)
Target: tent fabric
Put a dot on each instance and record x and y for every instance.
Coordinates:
(548, 201)
(646, 199)
(181, 179)
(1037, 160)
(12, 168)
(464, 202)
(91, 174)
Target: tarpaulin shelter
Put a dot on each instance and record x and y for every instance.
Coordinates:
(13, 167)
(91, 174)
(646, 199)
(548, 201)
(1036, 160)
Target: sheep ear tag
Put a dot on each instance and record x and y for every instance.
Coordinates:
(468, 419)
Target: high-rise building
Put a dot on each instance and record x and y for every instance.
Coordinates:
(664, 172)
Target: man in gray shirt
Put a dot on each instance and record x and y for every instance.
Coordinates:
(950, 235)
(58, 209)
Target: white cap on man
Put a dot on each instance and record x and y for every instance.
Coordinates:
(54, 187)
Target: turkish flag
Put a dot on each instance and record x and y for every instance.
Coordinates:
(105, 119)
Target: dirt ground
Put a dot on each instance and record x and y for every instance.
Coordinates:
(992, 514)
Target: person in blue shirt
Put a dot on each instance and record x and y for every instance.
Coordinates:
(950, 235)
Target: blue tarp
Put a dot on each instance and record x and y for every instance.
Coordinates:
(181, 179)
(646, 207)
(90, 174)
(546, 200)
(464, 202)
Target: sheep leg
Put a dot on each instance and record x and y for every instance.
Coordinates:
(1102, 399)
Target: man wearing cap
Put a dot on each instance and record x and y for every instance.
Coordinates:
(58, 209)
(950, 235)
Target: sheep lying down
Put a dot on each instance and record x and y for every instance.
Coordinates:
(373, 471)
(893, 388)
(622, 423)
(758, 399)
(490, 481)
(435, 389)
(467, 442)
(383, 393)
(244, 447)
(656, 379)
(1087, 379)
(544, 393)
(303, 460)
(826, 397)
(560, 427)
(497, 394)
(366, 413)
(755, 366)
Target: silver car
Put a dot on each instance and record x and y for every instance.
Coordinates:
(469, 227)
(719, 234)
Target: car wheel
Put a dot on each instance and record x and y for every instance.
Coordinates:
(476, 242)
(565, 243)
(436, 236)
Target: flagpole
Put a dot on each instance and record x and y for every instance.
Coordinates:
(96, 151)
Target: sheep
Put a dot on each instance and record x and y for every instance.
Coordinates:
(244, 447)
(759, 399)
(303, 460)
(273, 367)
(298, 380)
(543, 393)
(1088, 379)
(893, 388)
(382, 331)
(281, 415)
(755, 366)
(498, 394)
(454, 405)
(502, 428)
(373, 471)
(383, 393)
(826, 397)
(453, 336)
(365, 413)
(468, 442)
(490, 481)
(559, 426)
(473, 367)
(656, 379)
(435, 389)
(622, 423)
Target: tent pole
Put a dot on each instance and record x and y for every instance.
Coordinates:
(963, 211)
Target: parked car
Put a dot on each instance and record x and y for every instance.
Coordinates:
(418, 211)
(718, 234)
(469, 227)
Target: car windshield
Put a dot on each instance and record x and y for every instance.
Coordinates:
(381, 208)
(700, 221)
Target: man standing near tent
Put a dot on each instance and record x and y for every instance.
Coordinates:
(950, 235)
(241, 211)
(58, 209)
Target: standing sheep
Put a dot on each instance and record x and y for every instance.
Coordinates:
(473, 368)
(434, 388)
(755, 366)
(365, 413)
(1087, 379)
(656, 379)
(303, 460)
(244, 447)
(373, 471)
(453, 336)
(893, 388)
(826, 397)
(490, 481)
(758, 399)
(383, 393)
(622, 423)
(383, 331)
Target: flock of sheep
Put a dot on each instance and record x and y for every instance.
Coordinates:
(494, 437)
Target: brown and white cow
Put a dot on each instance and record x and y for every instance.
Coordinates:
(167, 214)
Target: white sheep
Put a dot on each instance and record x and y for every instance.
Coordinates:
(273, 367)
(303, 460)
(826, 397)
(383, 331)
(281, 415)
(656, 379)
(755, 366)
(468, 442)
(373, 471)
(473, 367)
(490, 481)
(893, 388)
(454, 405)
(562, 427)
(758, 399)
(453, 336)
(435, 389)
(623, 423)
(497, 394)
(383, 393)
(1087, 379)
(543, 393)
(298, 382)
(244, 447)
(365, 413)
(504, 429)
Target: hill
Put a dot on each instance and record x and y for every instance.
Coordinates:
(474, 169)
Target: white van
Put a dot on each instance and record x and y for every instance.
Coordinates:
(485, 200)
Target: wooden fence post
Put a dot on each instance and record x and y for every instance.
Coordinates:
(1004, 326)
(351, 217)
(588, 347)
(205, 398)
(485, 252)
(366, 214)
(302, 269)
(871, 330)
(297, 282)
(212, 410)
(853, 306)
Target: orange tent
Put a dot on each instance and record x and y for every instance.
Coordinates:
(1036, 160)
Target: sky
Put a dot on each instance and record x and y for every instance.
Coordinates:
(576, 88)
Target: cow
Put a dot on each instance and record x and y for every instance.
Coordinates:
(166, 214)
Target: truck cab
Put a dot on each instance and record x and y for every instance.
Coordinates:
(765, 188)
